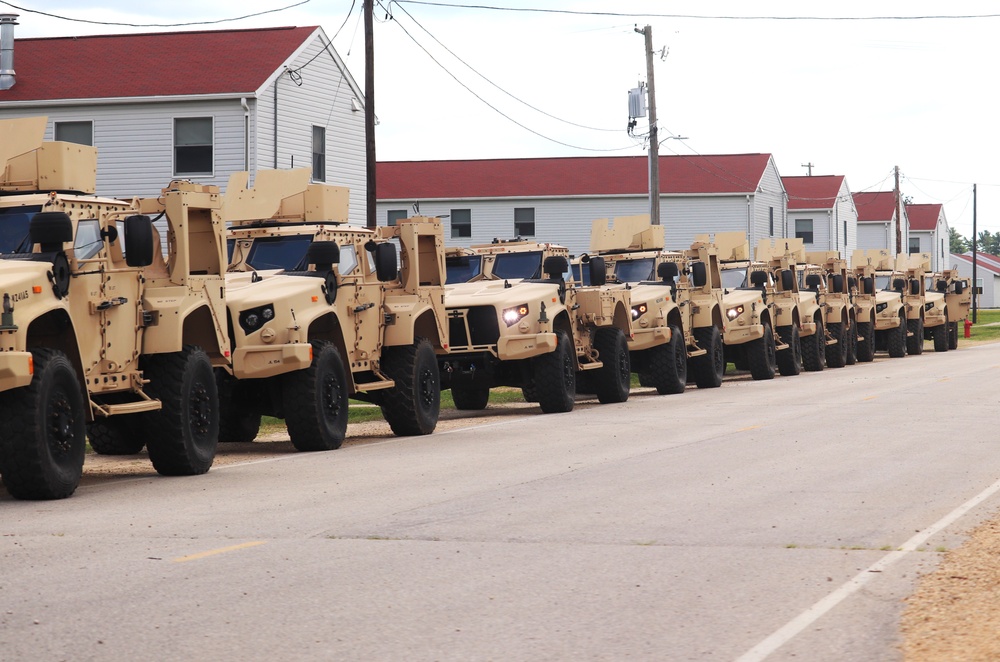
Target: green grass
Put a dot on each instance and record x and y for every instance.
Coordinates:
(980, 332)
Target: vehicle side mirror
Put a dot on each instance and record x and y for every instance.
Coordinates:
(787, 280)
(50, 230)
(598, 271)
(699, 274)
(324, 254)
(959, 287)
(667, 272)
(386, 268)
(942, 285)
(898, 284)
(837, 284)
(139, 244)
(914, 287)
(868, 285)
(556, 265)
(813, 281)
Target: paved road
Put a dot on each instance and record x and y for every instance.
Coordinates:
(756, 521)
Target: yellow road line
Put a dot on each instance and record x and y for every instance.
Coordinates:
(870, 397)
(945, 379)
(213, 552)
(752, 427)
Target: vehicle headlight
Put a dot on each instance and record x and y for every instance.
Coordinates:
(512, 316)
(639, 310)
(253, 319)
(928, 305)
(733, 313)
(879, 307)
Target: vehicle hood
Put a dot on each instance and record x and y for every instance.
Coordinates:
(495, 292)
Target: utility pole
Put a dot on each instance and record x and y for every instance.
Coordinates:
(899, 215)
(370, 199)
(974, 281)
(809, 166)
(654, 140)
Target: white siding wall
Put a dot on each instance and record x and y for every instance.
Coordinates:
(990, 298)
(770, 193)
(135, 141)
(323, 99)
(846, 211)
(876, 235)
(568, 221)
(820, 225)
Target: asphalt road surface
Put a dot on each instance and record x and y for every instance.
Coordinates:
(763, 520)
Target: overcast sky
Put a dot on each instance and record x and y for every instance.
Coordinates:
(852, 97)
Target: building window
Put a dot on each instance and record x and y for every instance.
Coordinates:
(81, 133)
(319, 154)
(914, 245)
(193, 146)
(524, 222)
(461, 223)
(845, 234)
(804, 230)
(394, 215)
(770, 221)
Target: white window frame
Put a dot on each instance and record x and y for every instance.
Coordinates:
(394, 215)
(517, 232)
(812, 228)
(321, 154)
(173, 142)
(57, 124)
(459, 235)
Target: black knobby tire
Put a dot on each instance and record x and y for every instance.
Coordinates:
(953, 335)
(315, 400)
(866, 342)
(941, 333)
(43, 434)
(814, 349)
(836, 354)
(239, 419)
(183, 435)
(709, 368)
(613, 379)
(529, 390)
(470, 398)
(915, 342)
(413, 405)
(852, 343)
(665, 366)
(762, 355)
(555, 376)
(790, 359)
(115, 435)
(896, 341)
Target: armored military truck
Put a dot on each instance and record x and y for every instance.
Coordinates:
(97, 331)
(827, 273)
(320, 311)
(957, 300)
(861, 283)
(551, 335)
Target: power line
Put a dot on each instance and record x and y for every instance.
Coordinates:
(153, 25)
(471, 68)
(700, 16)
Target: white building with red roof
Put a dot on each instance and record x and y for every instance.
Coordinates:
(196, 105)
(877, 220)
(987, 276)
(555, 199)
(821, 212)
(929, 233)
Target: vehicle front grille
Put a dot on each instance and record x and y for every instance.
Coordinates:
(473, 327)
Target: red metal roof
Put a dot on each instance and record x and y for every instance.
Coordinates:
(573, 176)
(923, 217)
(875, 206)
(818, 192)
(153, 64)
(985, 261)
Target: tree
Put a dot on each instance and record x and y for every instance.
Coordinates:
(959, 244)
(988, 242)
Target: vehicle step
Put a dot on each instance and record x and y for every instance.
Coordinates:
(127, 407)
(375, 385)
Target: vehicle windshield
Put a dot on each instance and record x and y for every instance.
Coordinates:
(14, 222)
(518, 265)
(288, 253)
(88, 239)
(634, 271)
(462, 268)
(884, 282)
(733, 278)
(580, 275)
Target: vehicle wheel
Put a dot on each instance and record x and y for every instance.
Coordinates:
(761, 355)
(239, 420)
(665, 366)
(814, 349)
(43, 434)
(315, 399)
(866, 342)
(896, 338)
(529, 391)
(952, 335)
(915, 342)
(852, 343)
(836, 354)
(115, 435)
(613, 379)
(470, 398)
(413, 405)
(790, 360)
(555, 377)
(183, 435)
(709, 368)
(941, 333)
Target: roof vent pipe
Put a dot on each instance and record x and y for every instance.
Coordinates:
(7, 76)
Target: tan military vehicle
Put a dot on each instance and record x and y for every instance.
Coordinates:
(319, 312)
(862, 286)
(801, 319)
(957, 300)
(890, 308)
(663, 322)
(915, 298)
(96, 331)
(547, 335)
(826, 272)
